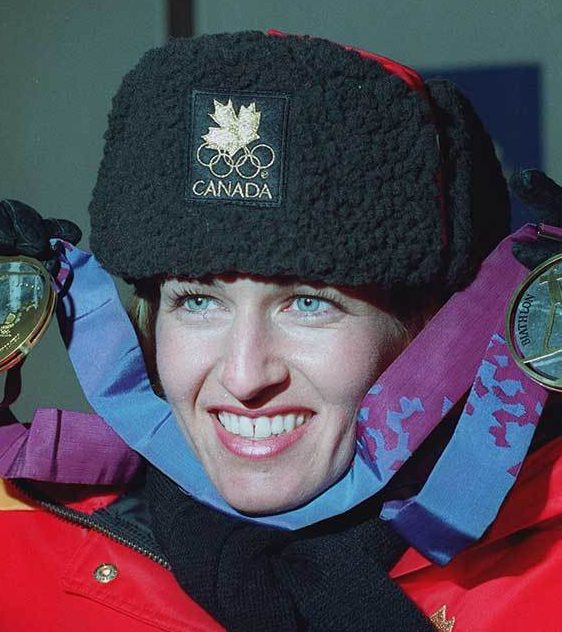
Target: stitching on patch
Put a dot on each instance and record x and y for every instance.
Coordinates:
(230, 159)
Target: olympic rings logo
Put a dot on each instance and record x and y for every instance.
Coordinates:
(249, 164)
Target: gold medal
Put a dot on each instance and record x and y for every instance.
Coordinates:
(534, 324)
(27, 303)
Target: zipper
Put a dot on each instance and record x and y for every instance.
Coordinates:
(85, 520)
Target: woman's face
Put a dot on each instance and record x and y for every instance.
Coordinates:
(265, 379)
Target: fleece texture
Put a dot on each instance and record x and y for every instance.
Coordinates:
(379, 183)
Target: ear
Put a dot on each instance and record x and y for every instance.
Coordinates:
(475, 190)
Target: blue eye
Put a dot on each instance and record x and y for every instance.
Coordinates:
(309, 304)
(197, 303)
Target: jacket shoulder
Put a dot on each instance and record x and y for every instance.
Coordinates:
(509, 579)
(12, 499)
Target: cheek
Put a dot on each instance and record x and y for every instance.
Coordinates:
(179, 363)
(355, 362)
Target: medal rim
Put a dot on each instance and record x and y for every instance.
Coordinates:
(46, 309)
(552, 384)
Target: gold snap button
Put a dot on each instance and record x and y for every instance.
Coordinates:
(105, 573)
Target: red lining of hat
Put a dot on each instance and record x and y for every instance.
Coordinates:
(408, 75)
(414, 81)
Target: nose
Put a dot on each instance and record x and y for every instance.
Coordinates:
(252, 363)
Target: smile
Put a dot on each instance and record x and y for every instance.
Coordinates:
(261, 427)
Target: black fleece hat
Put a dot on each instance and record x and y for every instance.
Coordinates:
(295, 156)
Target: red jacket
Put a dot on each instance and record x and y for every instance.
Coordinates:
(48, 579)
(510, 581)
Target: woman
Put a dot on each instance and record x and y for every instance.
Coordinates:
(291, 213)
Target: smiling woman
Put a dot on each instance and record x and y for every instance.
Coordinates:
(292, 214)
(265, 319)
(266, 377)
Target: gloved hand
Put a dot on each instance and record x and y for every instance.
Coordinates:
(544, 197)
(24, 232)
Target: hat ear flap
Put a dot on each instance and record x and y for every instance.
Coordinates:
(475, 191)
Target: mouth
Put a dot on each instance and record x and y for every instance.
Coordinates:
(262, 427)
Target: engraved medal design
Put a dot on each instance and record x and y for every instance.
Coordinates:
(534, 324)
(27, 302)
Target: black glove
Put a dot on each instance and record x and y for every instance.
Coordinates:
(544, 197)
(24, 232)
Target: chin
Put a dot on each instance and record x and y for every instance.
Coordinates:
(256, 498)
(253, 505)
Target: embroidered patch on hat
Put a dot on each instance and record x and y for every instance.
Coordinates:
(237, 147)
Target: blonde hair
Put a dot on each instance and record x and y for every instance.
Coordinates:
(143, 311)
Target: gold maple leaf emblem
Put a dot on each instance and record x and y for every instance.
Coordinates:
(234, 131)
(440, 621)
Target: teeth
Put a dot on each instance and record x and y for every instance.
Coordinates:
(246, 427)
(261, 427)
(227, 421)
(277, 424)
(289, 422)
